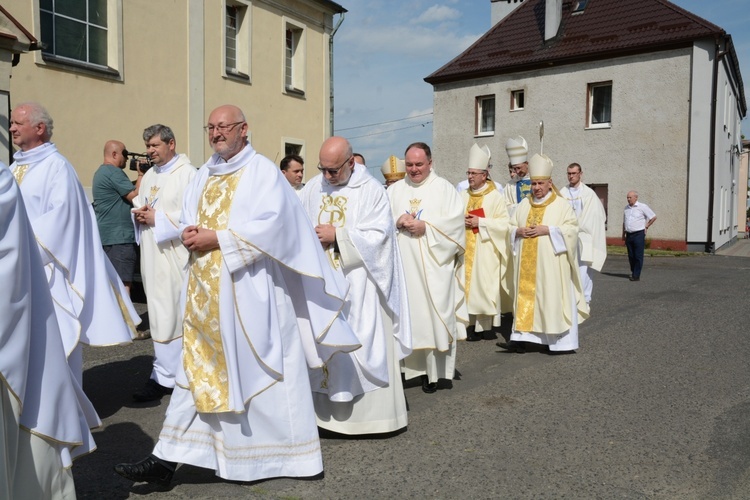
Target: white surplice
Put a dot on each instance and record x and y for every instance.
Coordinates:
(549, 301)
(43, 411)
(279, 311)
(376, 307)
(91, 303)
(433, 266)
(592, 232)
(164, 261)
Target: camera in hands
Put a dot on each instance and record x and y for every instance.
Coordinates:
(136, 159)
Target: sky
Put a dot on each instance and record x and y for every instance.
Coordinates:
(384, 49)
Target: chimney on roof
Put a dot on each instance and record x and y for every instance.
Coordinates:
(552, 18)
(501, 8)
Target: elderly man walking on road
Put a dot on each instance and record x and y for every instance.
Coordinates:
(261, 304)
(636, 220)
(352, 218)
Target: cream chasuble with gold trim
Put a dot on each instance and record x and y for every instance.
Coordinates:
(543, 299)
(489, 278)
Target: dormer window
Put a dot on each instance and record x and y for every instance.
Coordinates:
(579, 6)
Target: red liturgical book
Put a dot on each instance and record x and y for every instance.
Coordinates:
(479, 212)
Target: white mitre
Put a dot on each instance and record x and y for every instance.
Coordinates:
(479, 158)
(517, 149)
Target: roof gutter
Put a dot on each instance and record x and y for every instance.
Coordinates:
(719, 55)
(330, 67)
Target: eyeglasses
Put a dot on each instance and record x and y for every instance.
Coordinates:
(222, 129)
(472, 174)
(334, 171)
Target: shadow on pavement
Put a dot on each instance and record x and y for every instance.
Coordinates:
(94, 474)
(110, 386)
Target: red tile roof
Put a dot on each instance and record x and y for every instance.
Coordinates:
(606, 28)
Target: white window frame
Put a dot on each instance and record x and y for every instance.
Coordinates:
(514, 99)
(115, 57)
(295, 57)
(243, 40)
(590, 105)
(481, 108)
(293, 141)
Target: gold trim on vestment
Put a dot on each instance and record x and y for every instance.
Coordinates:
(19, 172)
(124, 311)
(475, 201)
(204, 358)
(342, 300)
(182, 435)
(334, 207)
(526, 294)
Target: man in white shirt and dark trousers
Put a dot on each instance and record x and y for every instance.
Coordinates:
(637, 219)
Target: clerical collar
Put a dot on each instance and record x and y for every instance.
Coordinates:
(417, 184)
(167, 166)
(355, 179)
(35, 154)
(216, 165)
(486, 188)
(545, 198)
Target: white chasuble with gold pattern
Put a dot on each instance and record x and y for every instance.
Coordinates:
(91, 303)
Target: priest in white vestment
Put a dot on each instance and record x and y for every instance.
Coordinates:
(352, 218)
(489, 280)
(549, 298)
(163, 256)
(592, 232)
(43, 411)
(518, 150)
(91, 303)
(261, 305)
(429, 217)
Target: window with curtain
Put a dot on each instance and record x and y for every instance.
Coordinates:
(485, 115)
(600, 104)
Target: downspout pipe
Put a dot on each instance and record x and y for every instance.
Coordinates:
(719, 55)
(330, 67)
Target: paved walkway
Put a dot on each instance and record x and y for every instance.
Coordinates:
(654, 405)
(740, 248)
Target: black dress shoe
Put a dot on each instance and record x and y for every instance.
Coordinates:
(148, 470)
(489, 335)
(428, 387)
(151, 392)
(472, 335)
(512, 346)
(634, 278)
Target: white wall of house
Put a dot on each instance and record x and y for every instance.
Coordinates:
(728, 145)
(700, 136)
(645, 149)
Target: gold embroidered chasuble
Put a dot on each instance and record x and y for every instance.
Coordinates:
(527, 271)
(475, 202)
(203, 355)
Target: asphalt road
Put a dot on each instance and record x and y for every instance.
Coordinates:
(655, 404)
